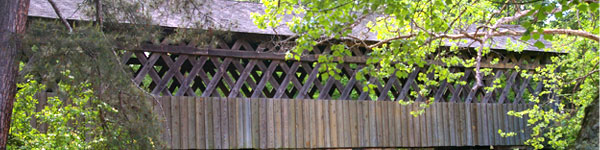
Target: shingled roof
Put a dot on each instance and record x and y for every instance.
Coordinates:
(235, 16)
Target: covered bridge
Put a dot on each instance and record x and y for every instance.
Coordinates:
(243, 93)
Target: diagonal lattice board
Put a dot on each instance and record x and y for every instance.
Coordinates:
(257, 70)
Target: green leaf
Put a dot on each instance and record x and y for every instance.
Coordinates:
(539, 44)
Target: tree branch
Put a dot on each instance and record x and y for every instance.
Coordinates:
(62, 19)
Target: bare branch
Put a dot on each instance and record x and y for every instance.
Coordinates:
(62, 19)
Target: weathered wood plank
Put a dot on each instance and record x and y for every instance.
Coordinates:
(379, 122)
(428, 126)
(372, 125)
(353, 123)
(209, 122)
(263, 123)
(191, 104)
(398, 124)
(333, 112)
(292, 123)
(216, 107)
(451, 123)
(384, 124)
(326, 123)
(232, 122)
(183, 113)
(497, 123)
(468, 124)
(255, 122)
(392, 123)
(446, 129)
(307, 121)
(285, 141)
(200, 105)
(176, 124)
(314, 127)
(347, 139)
(411, 127)
(270, 124)
(362, 119)
(491, 122)
(404, 117)
(319, 118)
(224, 123)
(299, 124)
(435, 124)
(277, 123)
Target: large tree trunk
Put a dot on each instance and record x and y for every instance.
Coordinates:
(588, 135)
(12, 24)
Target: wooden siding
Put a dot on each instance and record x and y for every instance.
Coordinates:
(207, 122)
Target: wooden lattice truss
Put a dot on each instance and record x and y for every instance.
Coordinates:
(255, 70)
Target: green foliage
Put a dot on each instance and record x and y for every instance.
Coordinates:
(73, 122)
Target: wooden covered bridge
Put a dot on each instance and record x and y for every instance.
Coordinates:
(242, 93)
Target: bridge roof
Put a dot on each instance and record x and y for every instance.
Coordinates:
(235, 16)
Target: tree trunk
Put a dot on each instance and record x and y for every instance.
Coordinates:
(588, 135)
(12, 24)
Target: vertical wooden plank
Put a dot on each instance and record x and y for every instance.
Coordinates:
(353, 123)
(299, 124)
(405, 127)
(522, 125)
(379, 123)
(326, 123)
(313, 123)
(176, 124)
(484, 123)
(507, 123)
(384, 124)
(498, 123)
(209, 130)
(241, 134)
(461, 125)
(417, 125)
(262, 108)
(397, 124)
(333, 123)
(468, 124)
(183, 113)
(360, 124)
(392, 123)
(232, 122)
(428, 127)
(218, 136)
(191, 104)
(442, 122)
(277, 126)
(285, 124)
(434, 124)
(166, 105)
(341, 132)
(346, 124)
(249, 123)
(411, 128)
(307, 122)
(452, 126)
(292, 123)
(364, 123)
(255, 122)
(270, 124)
(515, 125)
(490, 122)
(319, 118)
(372, 124)
(446, 129)
(477, 137)
(200, 127)
(224, 123)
